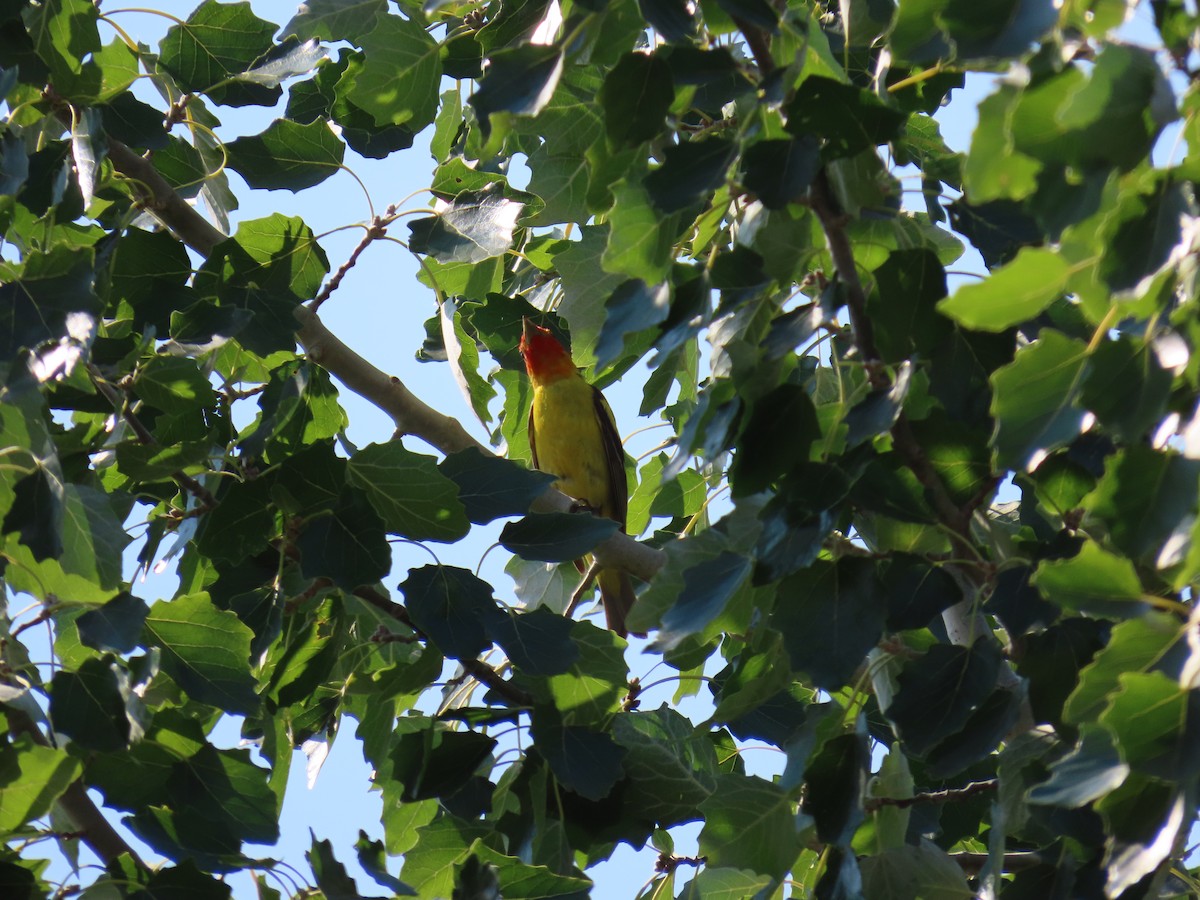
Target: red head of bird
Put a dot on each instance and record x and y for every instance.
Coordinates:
(546, 359)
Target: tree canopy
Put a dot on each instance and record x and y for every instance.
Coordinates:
(930, 535)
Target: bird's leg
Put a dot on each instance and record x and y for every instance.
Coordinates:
(584, 506)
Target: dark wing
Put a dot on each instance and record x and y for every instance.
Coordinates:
(614, 458)
(533, 440)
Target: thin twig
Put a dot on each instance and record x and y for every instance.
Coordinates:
(669, 863)
(973, 863)
(577, 595)
(41, 617)
(376, 230)
(947, 796)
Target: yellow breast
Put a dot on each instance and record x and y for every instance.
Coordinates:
(569, 444)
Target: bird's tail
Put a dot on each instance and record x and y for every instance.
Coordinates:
(616, 590)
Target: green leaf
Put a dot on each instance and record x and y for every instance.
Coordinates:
(923, 870)
(492, 487)
(1109, 117)
(777, 436)
(561, 182)
(36, 307)
(716, 883)
(1090, 771)
(672, 767)
(1143, 498)
(1014, 294)
(1126, 388)
(463, 355)
(518, 81)
(555, 537)
(398, 84)
(708, 587)
(115, 626)
(150, 462)
(32, 777)
(1051, 662)
(333, 20)
(690, 172)
(436, 763)
(633, 307)
(521, 881)
(537, 642)
(916, 591)
(89, 706)
(938, 692)
(1034, 400)
(287, 156)
(830, 615)
(995, 169)
(477, 225)
(218, 41)
(453, 607)
(346, 544)
(66, 37)
(879, 410)
(749, 823)
(640, 242)
(1135, 646)
(171, 383)
(591, 691)
(412, 497)
(88, 565)
(429, 865)
(584, 761)
(833, 786)
(850, 119)
(779, 172)
(636, 96)
(373, 858)
(205, 650)
(1094, 582)
(1156, 725)
(266, 268)
(586, 289)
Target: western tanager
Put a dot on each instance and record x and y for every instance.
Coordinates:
(573, 436)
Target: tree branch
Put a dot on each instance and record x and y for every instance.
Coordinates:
(161, 200)
(93, 828)
(973, 863)
(947, 796)
(963, 622)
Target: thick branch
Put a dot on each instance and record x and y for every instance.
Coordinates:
(93, 828)
(159, 198)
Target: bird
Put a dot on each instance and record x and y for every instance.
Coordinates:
(573, 436)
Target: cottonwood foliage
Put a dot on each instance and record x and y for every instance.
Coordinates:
(968, 696)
